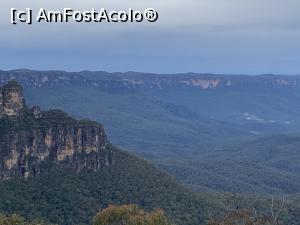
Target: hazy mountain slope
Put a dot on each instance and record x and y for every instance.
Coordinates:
(69, 198)
(290, 215)
(278, 151)
(184, 122)
(54, 166)
(261, 110)
(137, 121)
(265, 165)
(232, 176)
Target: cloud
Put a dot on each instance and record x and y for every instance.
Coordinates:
(228, 36)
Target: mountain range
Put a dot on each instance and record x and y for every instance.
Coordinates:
(233, 133)
(64, 170)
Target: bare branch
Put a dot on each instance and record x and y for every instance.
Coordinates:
(280, 209)
(272, 209)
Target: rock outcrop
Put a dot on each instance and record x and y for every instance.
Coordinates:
(33, 142)
(11, 99)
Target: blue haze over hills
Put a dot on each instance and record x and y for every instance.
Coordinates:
(213, 132)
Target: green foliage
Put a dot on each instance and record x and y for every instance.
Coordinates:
(244, 217)
(197, 136)
(67, 198)
(130, 215)
(18, 220)
(12, 84)
(288, 214)
(12, 220)
(169, 128)
(50, 119)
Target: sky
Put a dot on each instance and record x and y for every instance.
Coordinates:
(214, 36)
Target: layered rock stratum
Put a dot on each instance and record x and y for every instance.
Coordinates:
(136, 80)
(33, 141)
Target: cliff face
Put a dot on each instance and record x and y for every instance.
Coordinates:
(11, 99)
(32, 141)
(134, 80)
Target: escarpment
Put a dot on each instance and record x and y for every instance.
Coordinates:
(11, 99)
(33, 141)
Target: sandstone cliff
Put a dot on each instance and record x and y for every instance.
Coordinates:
(11, 99)
(32, 141)
(136, 81)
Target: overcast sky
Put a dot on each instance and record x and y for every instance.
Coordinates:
(218, 36)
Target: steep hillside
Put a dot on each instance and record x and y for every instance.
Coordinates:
(62, 169)
(138, 121)
(186, 123)
(69, 198)
(69, 170)
(264, 165)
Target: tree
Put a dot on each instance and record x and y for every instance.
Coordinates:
(275, 215)
(250, 217)
(244, 217)
(11, 220)
(17, 220)
(130, 215)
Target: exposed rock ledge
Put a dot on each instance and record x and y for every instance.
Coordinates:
(32, 141)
